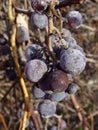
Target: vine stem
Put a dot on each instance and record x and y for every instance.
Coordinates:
(22, 83)
(21, 79)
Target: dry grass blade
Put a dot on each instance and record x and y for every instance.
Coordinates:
(3, 122)
(81, 113)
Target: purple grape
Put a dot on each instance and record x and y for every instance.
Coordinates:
(56, 45)
(79, 48)
(74, 19)
(39, 19)
(39, 5)
(47, 108)
(35, 69)
(73, 61)
(58, 81)
(66, 33)
(71, 41)
(58, 96)
(55, 81)
(31, 51)
(73, 88)
(38, 93)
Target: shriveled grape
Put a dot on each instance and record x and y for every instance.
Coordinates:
(31, 51)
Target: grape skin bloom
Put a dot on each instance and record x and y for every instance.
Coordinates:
(47, 108)
(73, 88)
(74, 19)
(39, 19)
(58, 96)
(73, 61)
(38, 93)
(32, 51)
(35, 69)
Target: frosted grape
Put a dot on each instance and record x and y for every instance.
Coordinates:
(47, 108)
(73, 61)
(58, 96)
(71, 41)
(74, 19)
(31, 51)
(39, 19)
(38, 93)
(73, 88)
(66, 33)
(35, 69)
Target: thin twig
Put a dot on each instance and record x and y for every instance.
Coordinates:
(88, 27)
(46, 123)
(77, 106)
(81, 113)
(93, 114)
(92, 120)
(8, 91)
(3, 122)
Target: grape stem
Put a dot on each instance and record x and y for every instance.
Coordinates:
(51, 27)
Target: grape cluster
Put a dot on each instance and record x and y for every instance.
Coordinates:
(51, 71)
